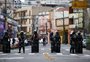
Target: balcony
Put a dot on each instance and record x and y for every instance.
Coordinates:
(24, 17)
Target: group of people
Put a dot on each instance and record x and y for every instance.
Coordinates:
(55, 39)
(55, 42)
(5, 41)
(76, 42)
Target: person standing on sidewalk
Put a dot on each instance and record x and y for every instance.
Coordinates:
(73, 43)
(57, 42)
(80, 46)
(52, 42)
(6, 43)
(21, 42)
(35, 43)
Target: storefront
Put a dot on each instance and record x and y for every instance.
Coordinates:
(2, 28)
(12, 27)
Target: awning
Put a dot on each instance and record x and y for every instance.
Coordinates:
(10, 20)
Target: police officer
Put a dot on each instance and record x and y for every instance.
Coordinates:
(80, 46)
(52, 42)
(57, 42)
(21, 42)
(35, 43)
(6, 43)
(73, 42)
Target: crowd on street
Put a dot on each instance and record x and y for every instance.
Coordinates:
(76, 42)
(55, 40)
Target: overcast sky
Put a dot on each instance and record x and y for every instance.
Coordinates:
(22, 0)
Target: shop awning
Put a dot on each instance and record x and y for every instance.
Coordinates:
(10, 20)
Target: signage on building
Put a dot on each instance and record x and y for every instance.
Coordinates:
(42, 24)
(1, 23)
(55, 1)
(79, 4)
(61, 12)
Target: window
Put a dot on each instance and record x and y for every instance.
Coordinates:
(24, 29)
(29, 21)
(59, 22)
(23, 13)
(71, 21)
(29, 13)
(19, 14)
(24, 21)
(29, 29)
(29, 3)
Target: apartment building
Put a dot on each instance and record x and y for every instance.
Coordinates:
(71, 21)
(26, 17)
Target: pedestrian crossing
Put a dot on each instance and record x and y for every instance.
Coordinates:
(10, 58)
(19, 56)
(53, 54)
(64, 53)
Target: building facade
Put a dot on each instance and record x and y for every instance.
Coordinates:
(26, 17)
(64, 22)
(29, 2)
(55, 2)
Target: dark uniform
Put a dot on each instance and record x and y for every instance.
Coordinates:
(6, 43)
(73, 42)
(57, 42)
(79, 47)
(35, 43)
(21, 42)
(52, 42)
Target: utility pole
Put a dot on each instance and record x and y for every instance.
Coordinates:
(83, 23)
(21, 21)
(63, 29)
(5, 15)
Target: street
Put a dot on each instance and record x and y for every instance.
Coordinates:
(45, 55)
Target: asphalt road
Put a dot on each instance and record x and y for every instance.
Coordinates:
(45, 55)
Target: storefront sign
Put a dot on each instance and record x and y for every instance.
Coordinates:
(82, 4)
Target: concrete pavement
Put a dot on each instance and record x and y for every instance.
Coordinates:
(45, 55)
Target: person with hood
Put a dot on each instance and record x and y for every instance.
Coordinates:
(6, 43)
(52, 42)
(73, 42)
(21, 42)
(35, 43)
(80, 46)
(57, 42)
